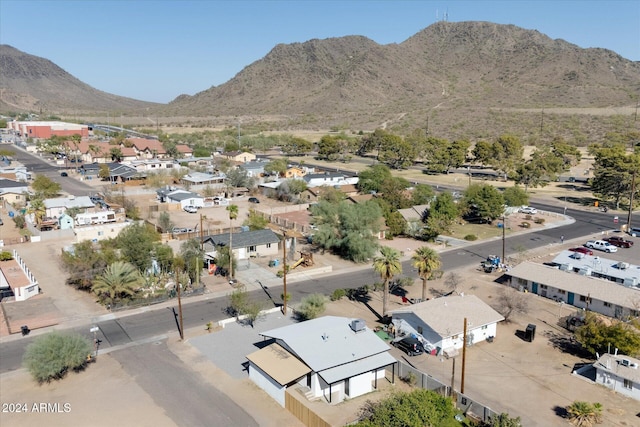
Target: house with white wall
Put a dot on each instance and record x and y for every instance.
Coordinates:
(439, 322)
(16, 276)
(246, 244)
(332, 358)
(620, 373)
(55, 207)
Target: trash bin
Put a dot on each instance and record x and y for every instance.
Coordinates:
(530, 332)
(25, 330)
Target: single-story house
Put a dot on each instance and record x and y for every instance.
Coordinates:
(100, 232)
(414, 213)
(16, 278)
(148, 165)
(245, 244)
(58, 206)
(201, 178)
(239, 156)
(587, 292)
(313, 194)
(254, 168)
(331, 357)
(184, 151)
(294, 172)
(12, 191)
(183, 197)
(327, 178)
(619, 272)
(619, 373)
(439, 322)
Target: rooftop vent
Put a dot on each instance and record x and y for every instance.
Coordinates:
(358, 325)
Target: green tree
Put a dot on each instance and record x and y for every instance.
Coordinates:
(483, 153)
(255, 220)
(569, 154)
(349, 230)
(233, 214)
(422, 194)
(515, 196)
(542, 168)
(136, 245)
(44, 187)
(38, 209)
(507, 153)
(238, 301)
(613, 173)
(442, 213)
(193, 254)
(223, 258)
(373, 178)
(276, 166)
(163, 255)
(485, 200)
(120, 280)
(504, 420)
(584, 414)
(597, 336)
(328, 147)
(332, 195)
(164, 221)
(239, 177)
(104, 172)
(393, 191)
(84, 263)
(289, 190)
(418, 408)
(396, 152)
(427, 261)
(116, 154)
(51, 356)
(312, 306)
(387, 265)
(295, 146)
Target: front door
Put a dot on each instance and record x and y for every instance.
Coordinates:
(570, 298)
(534, 287)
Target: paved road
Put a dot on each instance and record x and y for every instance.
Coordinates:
(38, 166)
(181, 392)
(152, 323)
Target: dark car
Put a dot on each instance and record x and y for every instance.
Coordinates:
(410, 345)
(64, 174)
(618, 241)
(582, 250)
(253, 200)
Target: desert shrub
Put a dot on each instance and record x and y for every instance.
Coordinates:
(5, 256)
(528, 217)
(539, 220)
(50, 356)
(470, 237)
(525, 225)
(338, 294)
(311, 306)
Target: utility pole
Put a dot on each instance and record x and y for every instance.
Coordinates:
(464, 352)
(180, 309)
(453, 377)
(504, 225)
(284, 271)
(633, 189)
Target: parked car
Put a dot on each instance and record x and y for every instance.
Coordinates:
(191, 209)
(582, 250)
(64, 174)
(601, 245)
(528, 210)
(618, 241)
(253, 200)
(410, 345)
(634, 231)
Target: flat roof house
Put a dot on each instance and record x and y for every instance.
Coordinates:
(619, 373)
(330, 357)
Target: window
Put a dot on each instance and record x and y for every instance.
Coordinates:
(562, 292)
(628, 384)
(607, 304)
(252, 248)
(583, 298)
(268, 245)
(484, 327)
(544, 287)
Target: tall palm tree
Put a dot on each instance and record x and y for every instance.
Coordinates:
(119, 280)
(233, 214)
(426, 260)
(387, 265)
(584, 414)
(38, 209)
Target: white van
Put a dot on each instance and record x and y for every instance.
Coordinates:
(634, 231)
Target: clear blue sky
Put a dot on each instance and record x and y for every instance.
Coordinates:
(157, 50)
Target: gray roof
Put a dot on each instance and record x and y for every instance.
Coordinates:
(597, 264)
(183, 195)
(257, 165)
(9, 183)
(328, 175)
(600, 289)
(69, 202)
(413, 213)
(244, 239)
(446, 315)
(197, 177)
(329, 342)
(612, 363)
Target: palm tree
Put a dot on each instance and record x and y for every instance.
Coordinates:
(119, 280)
(585, 414)
(233, 214)
(426, 260)
(38, 209)
(387, 265)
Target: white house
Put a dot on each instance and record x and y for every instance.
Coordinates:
(440, 322)
(57, 206)
(328, 178)
(15, 276)
(332, 357)
(245, 244)
(181, 197)
(619, 373)
(100, 232)
(564, 285)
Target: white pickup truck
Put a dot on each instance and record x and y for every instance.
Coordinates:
(601, 245)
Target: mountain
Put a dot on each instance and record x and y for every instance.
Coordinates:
(452, 71)
(31, 83)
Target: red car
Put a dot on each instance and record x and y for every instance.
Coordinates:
(619, 242)
(582, 250)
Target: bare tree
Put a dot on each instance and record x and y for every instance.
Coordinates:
(452, 280)
(511, 302)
